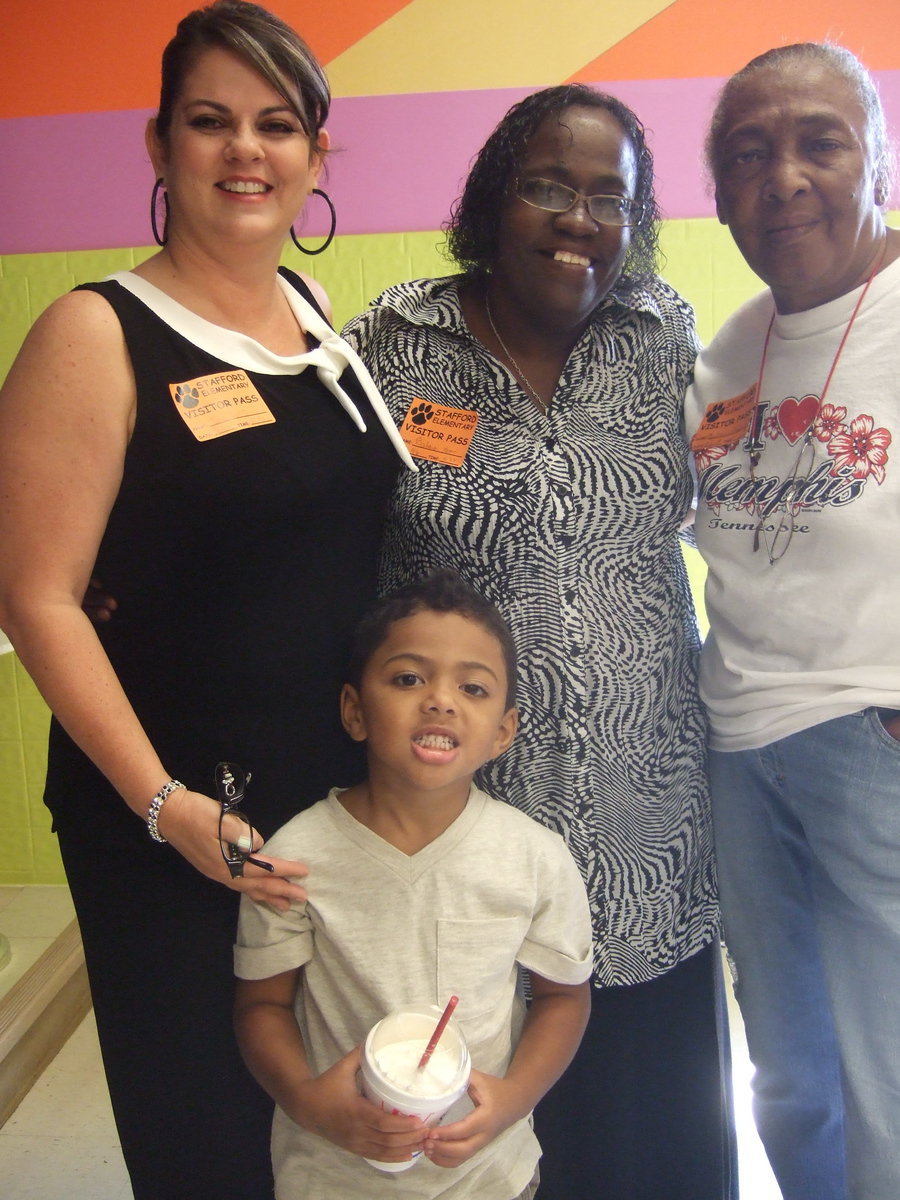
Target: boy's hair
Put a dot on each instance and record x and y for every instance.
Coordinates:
(443, 591)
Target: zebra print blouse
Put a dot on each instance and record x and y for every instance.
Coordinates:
(569, 522)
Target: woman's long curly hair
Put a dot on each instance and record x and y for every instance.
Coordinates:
(473, 231)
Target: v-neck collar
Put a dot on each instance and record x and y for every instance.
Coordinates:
(409, 867)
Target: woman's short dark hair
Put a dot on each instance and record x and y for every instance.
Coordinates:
(264, 42)
(473, 231)
(443, 591)
(843, 63)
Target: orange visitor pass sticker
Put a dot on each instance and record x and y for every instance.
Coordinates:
(214, 405)
(725, 422)
(437, 433)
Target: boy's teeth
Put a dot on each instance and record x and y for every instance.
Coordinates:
(567, 257)
(433, 741)
(241, 186)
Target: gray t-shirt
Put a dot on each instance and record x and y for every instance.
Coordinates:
(381, 929)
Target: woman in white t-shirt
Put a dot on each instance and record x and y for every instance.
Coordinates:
(792, 416)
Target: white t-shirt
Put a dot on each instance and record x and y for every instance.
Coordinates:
(812, 636)
(382, 929)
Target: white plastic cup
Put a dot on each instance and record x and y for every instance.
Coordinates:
(443, 1081)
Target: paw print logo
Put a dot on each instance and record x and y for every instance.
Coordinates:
(714, 412)
(188, 397)
(421, 414)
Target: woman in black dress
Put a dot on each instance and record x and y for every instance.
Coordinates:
(201, 443)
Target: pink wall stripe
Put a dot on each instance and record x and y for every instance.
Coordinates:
(83, 181)
(79, 182)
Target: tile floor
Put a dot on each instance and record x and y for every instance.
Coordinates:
(60, 1143)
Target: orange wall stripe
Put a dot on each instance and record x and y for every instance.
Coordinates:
(68, 56)
(706, 37)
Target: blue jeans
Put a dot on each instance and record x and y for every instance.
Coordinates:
(808, 844)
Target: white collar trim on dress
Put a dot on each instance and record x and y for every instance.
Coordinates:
(330, 358)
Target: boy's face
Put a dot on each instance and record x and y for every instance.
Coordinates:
(432, 701)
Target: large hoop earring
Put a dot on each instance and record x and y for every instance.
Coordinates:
(330, 238)
(154, 197)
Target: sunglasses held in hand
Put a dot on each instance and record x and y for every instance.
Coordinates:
(231, 782)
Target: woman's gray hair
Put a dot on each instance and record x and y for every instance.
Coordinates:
(843, 63)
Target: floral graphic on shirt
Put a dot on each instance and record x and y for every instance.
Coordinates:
(703, 458)
(830, 421)
(770, 425)
(855, 452)
(862, 448)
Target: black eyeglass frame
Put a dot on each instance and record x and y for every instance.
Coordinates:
(634, 214)
(231, 783)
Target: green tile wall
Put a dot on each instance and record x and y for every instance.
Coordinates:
(28, 852)
(700, 260)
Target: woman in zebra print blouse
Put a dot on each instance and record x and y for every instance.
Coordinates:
(541, 392)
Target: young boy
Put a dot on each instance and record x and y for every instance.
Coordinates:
(420, 886)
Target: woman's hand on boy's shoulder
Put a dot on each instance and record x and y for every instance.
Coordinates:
(498, 1104)
(331, 1106)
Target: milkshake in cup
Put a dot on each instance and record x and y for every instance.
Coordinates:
(390, 1075)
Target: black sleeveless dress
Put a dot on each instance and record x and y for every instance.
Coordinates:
(241, 566)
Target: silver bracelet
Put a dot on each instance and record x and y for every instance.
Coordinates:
(156, 804)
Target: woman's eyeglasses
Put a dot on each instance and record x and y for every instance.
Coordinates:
(231, 782)
(557, 198)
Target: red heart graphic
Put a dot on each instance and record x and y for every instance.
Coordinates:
(796, 416)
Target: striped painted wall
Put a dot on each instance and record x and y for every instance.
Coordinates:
(418, 85)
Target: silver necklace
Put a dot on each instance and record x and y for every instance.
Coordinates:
(523, 378)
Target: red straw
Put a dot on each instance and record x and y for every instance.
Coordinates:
(441, 1026)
